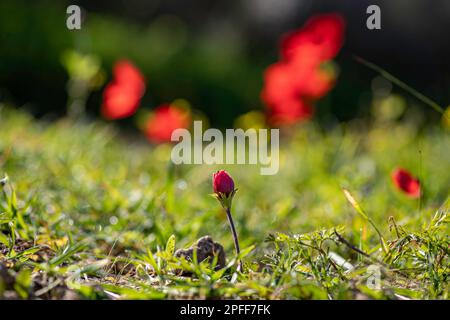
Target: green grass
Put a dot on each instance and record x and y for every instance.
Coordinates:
(87, 212)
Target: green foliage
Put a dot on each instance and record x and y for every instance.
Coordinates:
(86, 212)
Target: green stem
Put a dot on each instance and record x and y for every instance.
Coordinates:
(235, 237)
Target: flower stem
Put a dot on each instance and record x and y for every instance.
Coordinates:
(235, 237)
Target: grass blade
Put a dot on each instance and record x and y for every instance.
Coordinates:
(401, 84)
(358, 209)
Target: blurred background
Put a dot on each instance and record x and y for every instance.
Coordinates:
(213, 53)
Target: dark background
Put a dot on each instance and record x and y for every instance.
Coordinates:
(213, 53)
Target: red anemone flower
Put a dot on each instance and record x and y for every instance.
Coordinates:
(119, 102)
(223, 186)
(122, 96)
(289, 111)
(325, 31)
(222, 182)
(292, 84)
(127, 75)
(279, 83)
(405, 182)
(164, 121)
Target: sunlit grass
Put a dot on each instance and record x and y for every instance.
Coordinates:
(87, 213)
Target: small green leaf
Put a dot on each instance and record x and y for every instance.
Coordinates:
(246, 251)
(170, 246)
(152, 261)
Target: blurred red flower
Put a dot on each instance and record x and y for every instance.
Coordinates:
(119, 102)
(165, 119)
(123, 94)
(319, 83)
(289, 112)
(405, 182)
(279, 84)
(127, 75)
(326, 32)
(298, 79)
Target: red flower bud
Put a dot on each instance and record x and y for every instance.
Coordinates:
(405, 182)
(224, 191)
(222, 182)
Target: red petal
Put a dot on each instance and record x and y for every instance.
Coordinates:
(405, 182)
(119, 102)
(165, 120)
(326, 32)
(127, 75)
